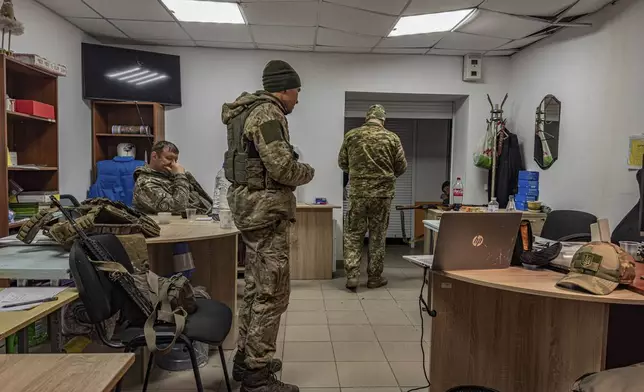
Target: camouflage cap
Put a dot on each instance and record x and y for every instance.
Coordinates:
(599, 267)
(377, 112)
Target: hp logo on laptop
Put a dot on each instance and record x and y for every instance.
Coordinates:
(477, 241)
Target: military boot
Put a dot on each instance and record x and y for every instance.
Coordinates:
(352, 284)
(239, 365)
(263, 380)
(374, 283)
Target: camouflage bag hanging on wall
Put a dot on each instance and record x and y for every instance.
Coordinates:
(97, 216)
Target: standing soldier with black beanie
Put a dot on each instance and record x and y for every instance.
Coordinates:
(264, 172)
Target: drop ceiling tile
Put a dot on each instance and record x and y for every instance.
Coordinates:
(329, 37)
(519, 43)
(287, 13)
(587, 6)
(98, 27)
(453, 52)
(431, 6)
(283, 35)
(411, 41)
(494, 24)
(131, 9)
(70, 8)
(527, 7)
(168, 42)
(462, 41)
(355, 21)
(151, 30)
(220, 32)
(391, 7)
(501, 52)
(399, 50)
(227, 45)
(292, 48)
(341, 49)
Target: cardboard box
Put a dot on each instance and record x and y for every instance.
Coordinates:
(35, 108)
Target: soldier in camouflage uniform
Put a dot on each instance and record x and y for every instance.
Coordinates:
(264, 171)
(165, 186)
(374, 158)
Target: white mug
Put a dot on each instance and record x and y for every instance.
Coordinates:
(225, 219)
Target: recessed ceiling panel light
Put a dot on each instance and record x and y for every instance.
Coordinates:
(205, 11)
(429, 23)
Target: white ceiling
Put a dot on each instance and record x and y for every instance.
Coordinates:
(499, 27)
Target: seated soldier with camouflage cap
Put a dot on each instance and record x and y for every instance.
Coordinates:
(164, 185)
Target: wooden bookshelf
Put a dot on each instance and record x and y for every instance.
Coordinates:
(105, 114)
(34, 139)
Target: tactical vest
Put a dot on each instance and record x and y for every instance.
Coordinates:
(242, 164)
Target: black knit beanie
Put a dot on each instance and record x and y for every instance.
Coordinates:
(279, 76)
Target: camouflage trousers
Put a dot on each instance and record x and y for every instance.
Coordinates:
(266, 294)
(372, 214)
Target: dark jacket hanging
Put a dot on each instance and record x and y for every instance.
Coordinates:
(509, 163)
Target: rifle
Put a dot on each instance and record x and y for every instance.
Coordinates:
(101, 257)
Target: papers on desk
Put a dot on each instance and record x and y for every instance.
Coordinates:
(14, 295)
(425, 261)
(39, 239)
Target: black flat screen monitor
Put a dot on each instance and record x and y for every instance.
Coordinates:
(118, 74)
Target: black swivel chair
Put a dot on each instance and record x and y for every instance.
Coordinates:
(568, 225)
(210, 324)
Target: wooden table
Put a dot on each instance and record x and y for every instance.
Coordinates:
(214, 251)
(63, 372)
(312, 250)
(537, 219)
(514, 330)
(18, 321)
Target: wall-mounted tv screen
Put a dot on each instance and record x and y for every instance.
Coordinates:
(119, 74)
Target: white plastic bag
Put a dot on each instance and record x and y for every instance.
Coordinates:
(484, 151)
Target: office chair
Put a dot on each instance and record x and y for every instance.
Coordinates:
(210, 324)
(568, 225)
(471, 388)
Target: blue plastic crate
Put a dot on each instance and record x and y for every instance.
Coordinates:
(525, 198)
(528, 192)
(529, 184)
(521, 206)
(528, 175)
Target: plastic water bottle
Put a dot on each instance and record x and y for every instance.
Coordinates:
(458, 192)
(493, 206)
(511, 206)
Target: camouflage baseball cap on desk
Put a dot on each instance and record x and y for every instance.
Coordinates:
(599, 267)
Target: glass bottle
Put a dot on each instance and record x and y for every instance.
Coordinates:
(511, 206)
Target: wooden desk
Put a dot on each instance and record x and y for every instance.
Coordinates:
(537, 219)
(214, 251)
(514, 330)
(312, 255)
(63, 372)
(12, 322)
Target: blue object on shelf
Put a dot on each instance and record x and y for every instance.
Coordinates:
(525, 198)
(528, 192)
(529, 184)
(528, 175)
(521, 206)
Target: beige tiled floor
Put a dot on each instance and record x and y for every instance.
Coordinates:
(332, 340)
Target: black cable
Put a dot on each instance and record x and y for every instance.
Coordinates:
(138, 110)
(421, 303)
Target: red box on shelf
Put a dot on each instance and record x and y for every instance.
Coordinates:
(35, 108)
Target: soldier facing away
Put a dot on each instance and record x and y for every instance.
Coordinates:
(164, 185)
(264, 171)
(373, 156)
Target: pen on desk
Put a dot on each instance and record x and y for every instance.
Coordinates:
(36, 301)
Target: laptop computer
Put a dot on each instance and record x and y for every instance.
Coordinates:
(472, 240)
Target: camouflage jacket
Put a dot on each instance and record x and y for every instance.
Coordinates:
(267, 128)
(374, 158)
(156, 192)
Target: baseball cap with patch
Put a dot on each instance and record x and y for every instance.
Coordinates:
(599, 267)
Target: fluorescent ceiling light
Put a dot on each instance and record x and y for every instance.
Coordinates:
(205, 11)
(429, 23)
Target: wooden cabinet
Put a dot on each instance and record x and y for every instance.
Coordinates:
(311, 238)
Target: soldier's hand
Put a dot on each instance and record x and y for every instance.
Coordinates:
(176, 168)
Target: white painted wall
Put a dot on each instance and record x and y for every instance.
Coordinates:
(599, 77)
(430, 167)
(211, 77)
(52, 37)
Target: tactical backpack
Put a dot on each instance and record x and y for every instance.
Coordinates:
(97, 216)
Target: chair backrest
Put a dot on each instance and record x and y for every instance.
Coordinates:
(564, 223)
(101, 297)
